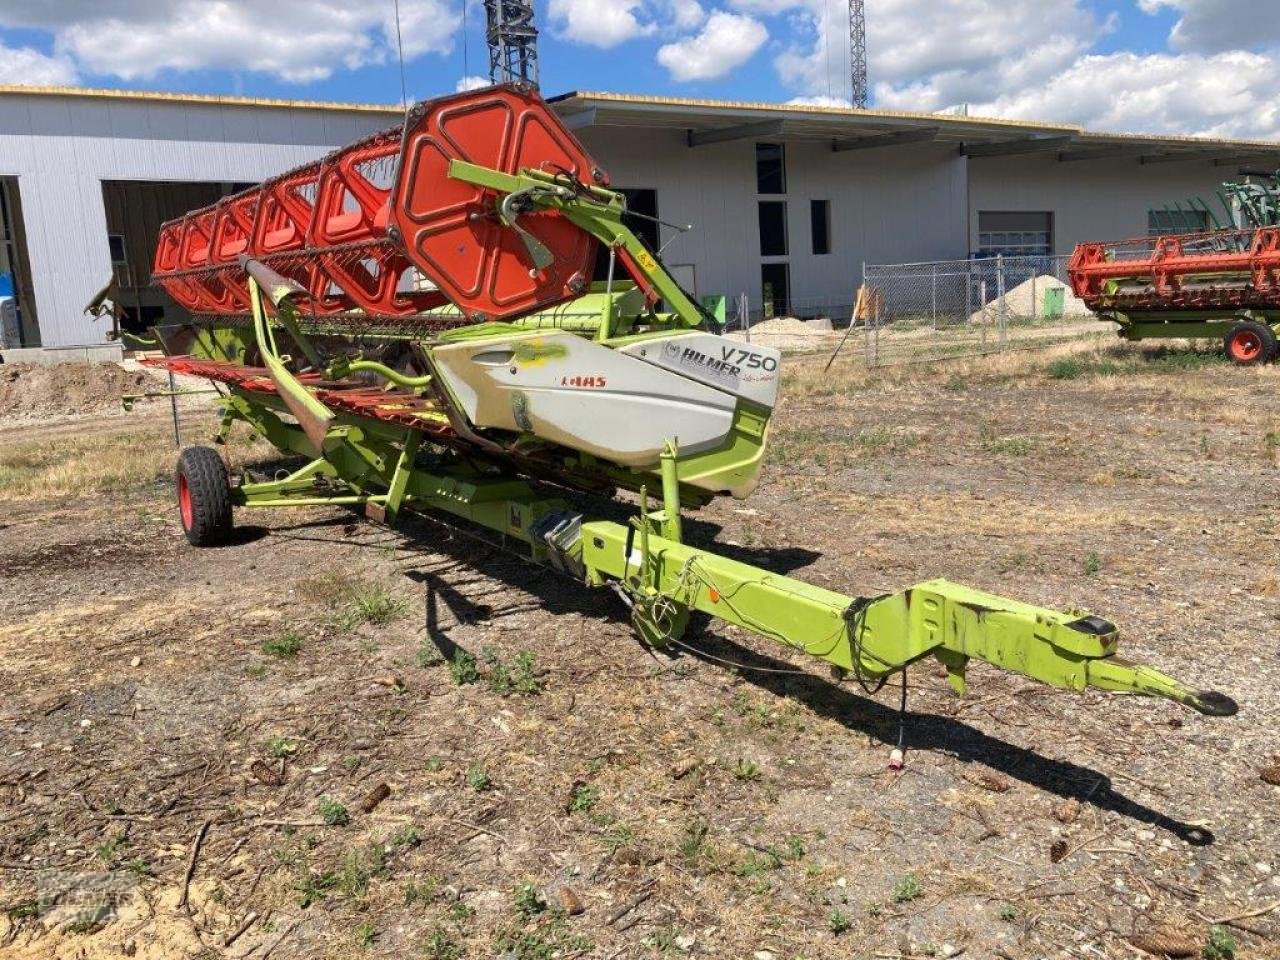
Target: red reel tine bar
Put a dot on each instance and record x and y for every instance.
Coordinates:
(352, 229)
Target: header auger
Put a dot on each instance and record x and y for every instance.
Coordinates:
(511, 379)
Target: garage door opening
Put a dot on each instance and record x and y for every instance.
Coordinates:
(136, 209)
(17, 298)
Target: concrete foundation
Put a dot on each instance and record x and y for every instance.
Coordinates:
(101, 353)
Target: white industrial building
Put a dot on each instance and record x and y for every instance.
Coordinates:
(796, 198)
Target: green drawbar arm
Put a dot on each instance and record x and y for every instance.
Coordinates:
(871, 637)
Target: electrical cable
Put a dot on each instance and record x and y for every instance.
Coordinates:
(466, 69)
(404, 86)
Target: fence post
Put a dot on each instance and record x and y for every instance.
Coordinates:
(1002, 305)
(933, 295)
(982, 323)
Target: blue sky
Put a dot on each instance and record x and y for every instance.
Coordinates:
(1156, 66)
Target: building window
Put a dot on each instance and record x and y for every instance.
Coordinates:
(820, 226)
(1166, 222)
(116, 242)
(775, 289)
(773, 228)
(771, 168)
(1019, 234)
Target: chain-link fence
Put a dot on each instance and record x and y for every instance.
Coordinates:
(909, 312)
(952, 308)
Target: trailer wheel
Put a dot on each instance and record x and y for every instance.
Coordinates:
(1249, 343)
(204, 497)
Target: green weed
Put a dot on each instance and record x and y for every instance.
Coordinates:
(478, 778)
(281, 747)
(839, 922)
(545, 941)
(313, 887)
(693, 841)
(285, 645)
(619, 835)
(583, 798)
(422, 893)
(519, 677)
(333, 812)
(110, 850)
(527, 901)
(907, 889)
(462, 668)
(373, 603)
(1220, 945)
(441, 945)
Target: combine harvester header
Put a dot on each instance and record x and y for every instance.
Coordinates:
(1223, 283)
(416, 317)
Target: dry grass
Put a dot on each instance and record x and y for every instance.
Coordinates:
(89, 464)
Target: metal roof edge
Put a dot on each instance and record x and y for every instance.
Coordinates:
(956, 122)
(158, 96)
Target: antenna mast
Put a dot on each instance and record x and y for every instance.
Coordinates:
(513, 41)
(858, 52)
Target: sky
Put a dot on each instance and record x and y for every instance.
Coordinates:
(1199, 67)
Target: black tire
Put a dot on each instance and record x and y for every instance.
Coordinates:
(1250, 343)
(204, 497)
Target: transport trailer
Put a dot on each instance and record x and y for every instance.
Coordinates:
(1223, 284)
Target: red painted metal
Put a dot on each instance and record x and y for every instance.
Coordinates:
(184, 502)
(1244, 346)
(1226, 269)
(359, 229)
(401, 407)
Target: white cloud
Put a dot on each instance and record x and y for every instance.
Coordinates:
(1223, 95)
(958, 48)
(1213, 26)
(296, 40)
(686, 14)
(472, 83)
(598, 23)
(727, 41)
(31, 68)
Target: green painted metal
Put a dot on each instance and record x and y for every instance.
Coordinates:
(874, 637)
(1186, 325)
(595, 210)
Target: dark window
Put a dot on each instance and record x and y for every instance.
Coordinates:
(641, 219)
(773, 228)
(775, 289)
(820, 226)
(771, 168)
(1015, 234)
(116, 242)
(1161, 223)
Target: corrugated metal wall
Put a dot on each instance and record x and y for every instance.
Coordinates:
(62, 148)
(1090, 200)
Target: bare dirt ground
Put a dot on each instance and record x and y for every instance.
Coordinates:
(195, 743)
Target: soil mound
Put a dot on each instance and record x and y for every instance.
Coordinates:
(28, 389)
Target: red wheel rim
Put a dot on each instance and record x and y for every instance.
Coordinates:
(184, 501)
(1246, 345)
